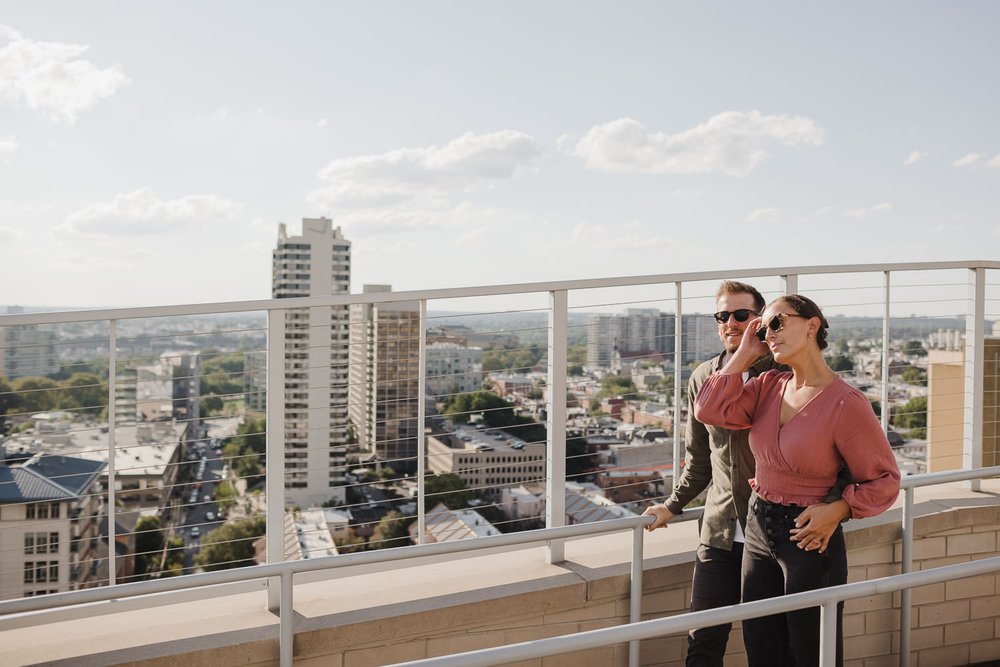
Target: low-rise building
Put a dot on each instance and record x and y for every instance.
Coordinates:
(444, 525)
(485, 459)
(50, 512)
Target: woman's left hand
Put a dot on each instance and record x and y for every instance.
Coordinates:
(816, 524)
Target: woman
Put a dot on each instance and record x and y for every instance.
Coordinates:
(804, 426)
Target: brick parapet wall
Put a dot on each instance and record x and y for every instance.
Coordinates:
(954, 623)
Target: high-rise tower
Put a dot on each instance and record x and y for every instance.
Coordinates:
(316, 361)
(384, 379)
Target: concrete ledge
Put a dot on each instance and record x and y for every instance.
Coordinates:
(441, 607)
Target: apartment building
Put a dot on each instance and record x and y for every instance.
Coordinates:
(49, 524)
(385, 379)
(313, 263)
(453, 368)
(27, 350)
(640, 332)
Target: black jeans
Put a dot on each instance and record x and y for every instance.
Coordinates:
(773, 565)
(716, 583)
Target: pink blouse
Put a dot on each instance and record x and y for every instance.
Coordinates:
(797, 463)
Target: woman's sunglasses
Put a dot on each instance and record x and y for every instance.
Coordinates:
(741, 315)
(776, 323)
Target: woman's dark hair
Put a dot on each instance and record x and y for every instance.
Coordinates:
(807, 308)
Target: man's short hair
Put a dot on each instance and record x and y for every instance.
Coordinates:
(736, 287)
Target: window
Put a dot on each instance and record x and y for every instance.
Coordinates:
(40, 572)
(42, 511)
(41, 543)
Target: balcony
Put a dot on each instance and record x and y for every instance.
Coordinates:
(353, 612)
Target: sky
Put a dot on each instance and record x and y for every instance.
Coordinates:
(149, 150)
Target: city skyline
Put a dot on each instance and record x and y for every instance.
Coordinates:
(146, 161)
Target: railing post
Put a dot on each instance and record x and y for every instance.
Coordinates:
(789, 284)
(905, 595)
(975, 332)
(112, 417)
(828, 634)
(635, 593)
(275, 447)
(555, 414)
(421, 424)
(286, 621)
(678, 379)
(885, 353)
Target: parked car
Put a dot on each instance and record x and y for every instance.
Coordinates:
(195, 531)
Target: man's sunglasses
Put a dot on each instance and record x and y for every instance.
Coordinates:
(741, 315)
(776, 323)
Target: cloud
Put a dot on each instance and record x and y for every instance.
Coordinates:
(8, 146)
(632, 235)
(763, 215)
(142, 213)
(9, 235)
(470, 162)
(915, 157)
(50, 77)
(858, 213)
(994, 163)
(969, 160)
(731, 143)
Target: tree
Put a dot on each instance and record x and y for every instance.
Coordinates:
(231, 545)
(86, 391)
(9, 402)
(914, 347)
(913, 415)
(574, 370)
(840, 363)
(449, 489)
(37, 394)
(225, 495)
(390, 532)
(496, 411)
(148, 545)
(914, 375)
(615, 385)
(211, 405)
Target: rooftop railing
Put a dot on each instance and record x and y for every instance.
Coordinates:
(311, 366)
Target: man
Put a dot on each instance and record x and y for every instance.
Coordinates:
(720, 460)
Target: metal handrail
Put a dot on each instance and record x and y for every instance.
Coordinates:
(825, 598)
(285, 571)
(908, 485)
(64, 317)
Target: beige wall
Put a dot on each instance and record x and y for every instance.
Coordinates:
(945, 407)
(437, 609)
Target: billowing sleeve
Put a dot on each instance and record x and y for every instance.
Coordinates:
(724, 400)
(862, 444)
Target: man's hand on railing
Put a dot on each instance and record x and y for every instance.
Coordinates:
(661, 516)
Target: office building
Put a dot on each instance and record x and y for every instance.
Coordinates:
(384, 379)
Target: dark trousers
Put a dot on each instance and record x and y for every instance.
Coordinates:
(773, 565)
(716, 584)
